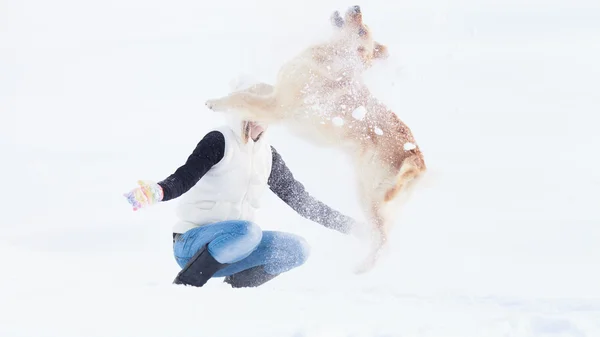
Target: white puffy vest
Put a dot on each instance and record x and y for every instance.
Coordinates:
(231, 189)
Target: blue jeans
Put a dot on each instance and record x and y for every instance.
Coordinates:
(243, 245)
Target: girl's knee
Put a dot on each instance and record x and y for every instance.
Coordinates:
(301, 250)
(251, 232)
(239, 241)
(284, 251)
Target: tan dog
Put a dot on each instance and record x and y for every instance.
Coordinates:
(320, 95)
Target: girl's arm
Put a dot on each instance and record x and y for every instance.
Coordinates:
(293, 193)
(209, 151)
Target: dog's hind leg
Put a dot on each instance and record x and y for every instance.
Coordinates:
(373, 182)
(250, 105)
(379, 236)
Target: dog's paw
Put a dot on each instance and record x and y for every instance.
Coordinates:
(367, 265)
(214, 105)
(372, 259)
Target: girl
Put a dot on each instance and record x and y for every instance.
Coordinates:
(220, 186)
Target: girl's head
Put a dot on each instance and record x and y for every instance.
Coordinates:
(249, 129)
(252, 130)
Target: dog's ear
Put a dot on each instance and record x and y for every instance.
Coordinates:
(354, 15)
(336, 19)
(380, 51)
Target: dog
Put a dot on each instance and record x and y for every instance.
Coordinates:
(320, 96)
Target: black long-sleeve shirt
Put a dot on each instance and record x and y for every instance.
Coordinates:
(211, 149)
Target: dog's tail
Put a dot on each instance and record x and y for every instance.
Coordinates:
(412, 168)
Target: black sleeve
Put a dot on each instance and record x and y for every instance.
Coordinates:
(292, 192)
(209, 151)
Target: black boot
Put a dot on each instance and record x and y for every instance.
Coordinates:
(252, 277)
(201, 267)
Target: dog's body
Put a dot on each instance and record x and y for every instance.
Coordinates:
(320, 95)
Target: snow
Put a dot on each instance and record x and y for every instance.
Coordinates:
(359, 113)
(337, 121)
(409, 146)
(501, 239)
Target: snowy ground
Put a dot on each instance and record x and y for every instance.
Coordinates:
(501, 95)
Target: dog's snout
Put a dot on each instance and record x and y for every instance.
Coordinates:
(356, 9)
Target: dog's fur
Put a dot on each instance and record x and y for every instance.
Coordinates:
(319, 94)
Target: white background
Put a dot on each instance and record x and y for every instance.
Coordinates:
(501, 240)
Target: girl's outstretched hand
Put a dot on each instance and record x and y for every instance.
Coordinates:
(148, 193)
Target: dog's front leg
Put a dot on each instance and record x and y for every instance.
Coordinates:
(257, 108)
(377, 245)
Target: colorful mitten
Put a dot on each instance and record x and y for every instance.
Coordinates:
(147, 194)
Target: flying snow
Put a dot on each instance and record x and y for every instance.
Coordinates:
(359, 113)
(337, 121)
(409, 146)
